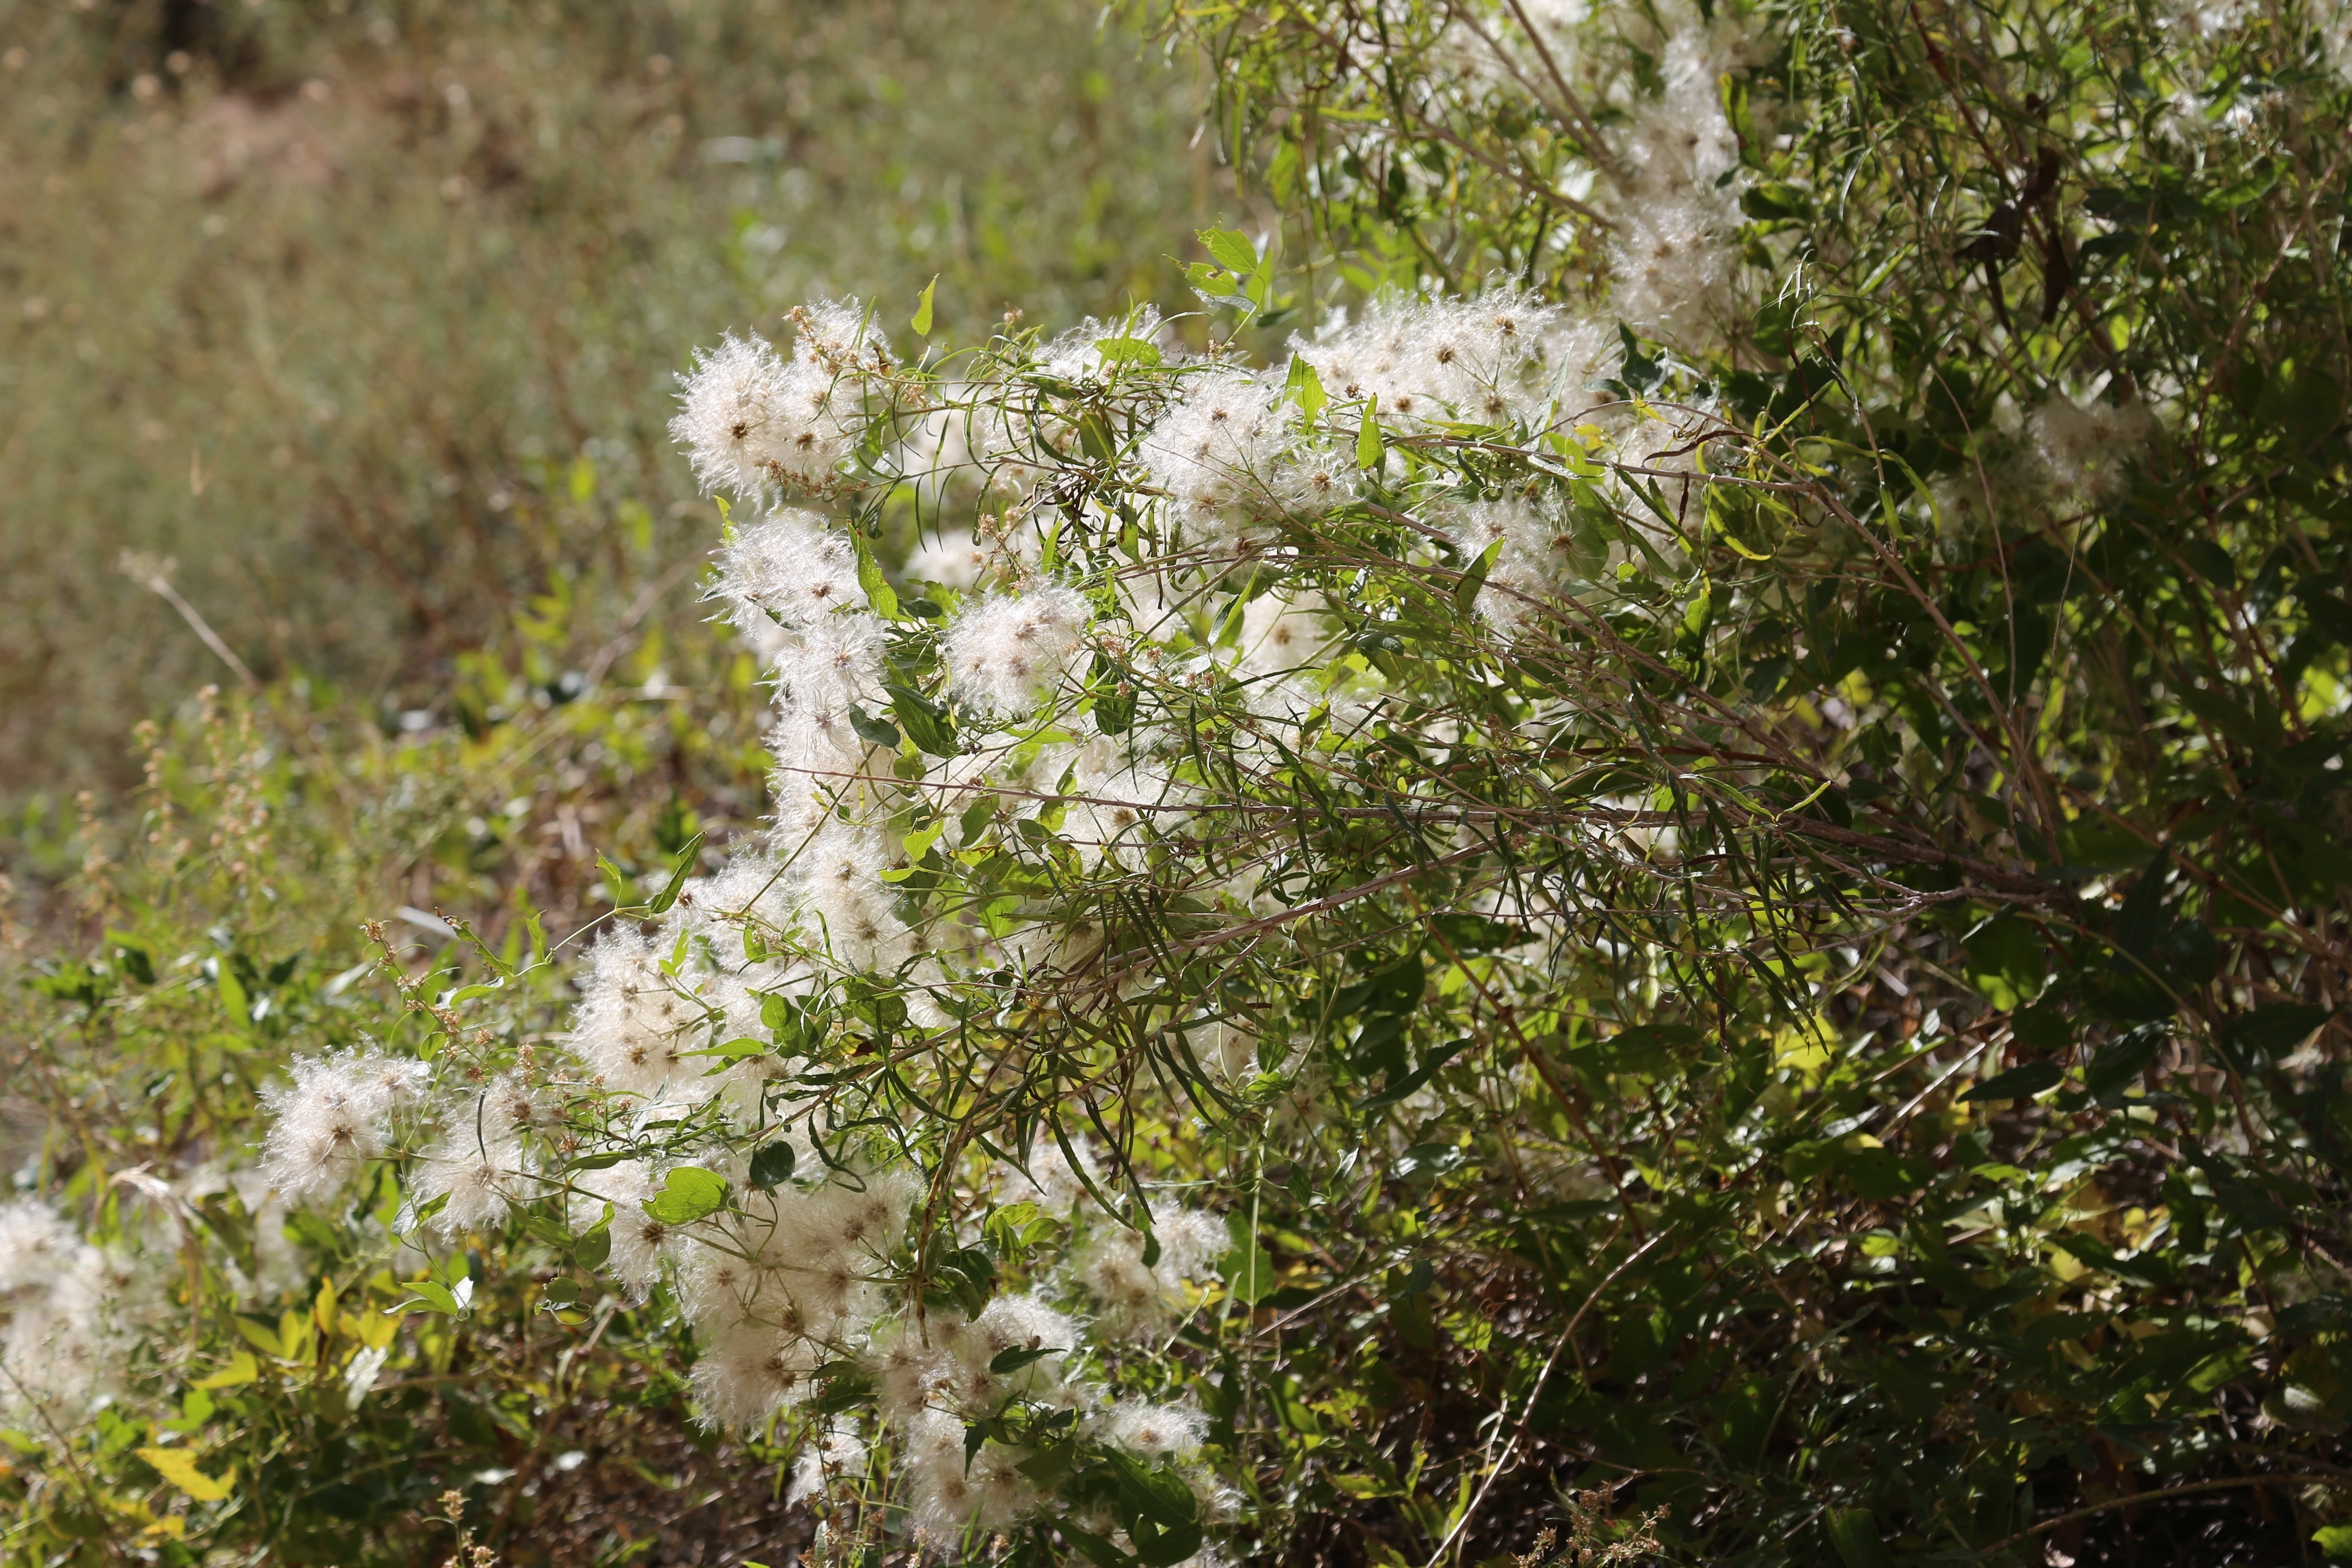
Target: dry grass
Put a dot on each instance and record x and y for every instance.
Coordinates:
(364, 321)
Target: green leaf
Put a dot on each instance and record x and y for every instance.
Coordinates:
(678, 874)
(1162, 1546)
(1370, 450)
(1856, 1531)
(434, 1294)
(731, 1051)
(1127, 350)
(1646, 1051)
(1411, 1083)
(592, 1250)
(771, 1167)
(260, 1336)
(926, 723)
(1231, 251)
(2042, 1028)
(614, 882)
(1152, 1491)
(2223, 1367)
(871, 730)
(1014, 1360)
(2121, 1060)
(1305, 389)
(1049, 1464)
(689, 1194)
(2019, 1083)
(922, 321)
(878, 591)
(2141, 920)
(2006, 961)
(1880, 1174)
(1097, 1550)
(1213, 285)
(1426, 1162)
(232, 994)
(1465, 592)
(1113, 713)
(1476, 933)
(1249, 1274)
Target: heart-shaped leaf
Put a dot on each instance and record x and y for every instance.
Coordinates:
(688, 1194)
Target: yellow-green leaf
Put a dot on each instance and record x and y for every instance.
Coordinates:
(178, 1467)
(241, 1368)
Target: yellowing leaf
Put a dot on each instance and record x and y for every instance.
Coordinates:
(375, 1331)
(178, 1467)
(259, 1336)
(241, 1368)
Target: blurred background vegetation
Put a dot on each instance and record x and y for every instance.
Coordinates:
(354, 321)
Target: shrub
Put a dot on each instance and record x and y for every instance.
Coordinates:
(1682, 880)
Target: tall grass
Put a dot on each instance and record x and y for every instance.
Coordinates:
(345, 315)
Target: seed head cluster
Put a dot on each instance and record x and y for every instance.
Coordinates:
(64, 1311)
(755, 421)
(334, 1118)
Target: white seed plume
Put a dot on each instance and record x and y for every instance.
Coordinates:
(332, 1119)
(2085, 452)
(1007, 651)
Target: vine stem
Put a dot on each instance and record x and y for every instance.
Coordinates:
(1536, 1394)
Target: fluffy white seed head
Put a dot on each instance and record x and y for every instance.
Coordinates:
(788, 571)
(911, 1364)
(1154, 1430)
(2084, 453)
(1051, 1182)
(834, 1454)
(1216, 451)
(749, 418)
(641, 1244)
(841, 883)
(635, 1022)
(748, 1371)
(35, 1247)
(332, 1119)
(950, 1496)
(61, 1330)
(1007, 651)
(480, 1177)
(1020, 1323)
(954, 559)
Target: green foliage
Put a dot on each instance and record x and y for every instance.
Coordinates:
(1811, 1023)
(299, 1383)
(2080, 722)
